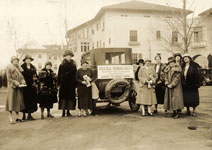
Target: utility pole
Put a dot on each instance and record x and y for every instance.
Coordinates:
(185, 27)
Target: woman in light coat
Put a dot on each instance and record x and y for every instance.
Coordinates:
(15, 101)
(147, 77)
(173, 100)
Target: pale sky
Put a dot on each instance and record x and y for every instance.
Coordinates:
(42, 21)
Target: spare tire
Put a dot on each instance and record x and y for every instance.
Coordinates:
(124, 95)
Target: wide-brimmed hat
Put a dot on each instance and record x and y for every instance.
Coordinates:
(140, 61)
(48, 63)
(171, 59)
(68, 52)
(28, 57)
(13, 58)
(177, 54)
(187, 55)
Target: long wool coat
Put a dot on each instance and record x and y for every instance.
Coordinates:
(173, 96)
(15, 100)
(30, 92)
(190, 85)
(47, 83)
(146, 95)
(66, 80)
(160, 88)
(84, 92)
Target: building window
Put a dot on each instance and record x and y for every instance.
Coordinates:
(103, 26)
(97, 44)
(92, 31)
(133, 36)
(174, 37)
(55, 66)
(158, 35)
(109, 41)
(55, 57)
(198, 35)
(39, 66)
(97, 26)
(136, 57)
(39, 56)
(147, 16)
(84, 46)
(103, 44)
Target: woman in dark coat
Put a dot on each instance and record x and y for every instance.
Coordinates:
(159, 86)
(173, 100)
(84, 78)
(30, 91)
(47, 89)
(66, 80)
(15, 100)
(191, 83)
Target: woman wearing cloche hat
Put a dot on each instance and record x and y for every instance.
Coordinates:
(47, 89)
(191, 83)
(173, 100)
(30, 91)
(66, 80)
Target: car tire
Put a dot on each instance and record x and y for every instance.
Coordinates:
(111, 85)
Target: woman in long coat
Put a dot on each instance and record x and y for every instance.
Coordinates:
(147, 78)
(15, 101)
(159, 86)
(66, 80)
(47, 89)
(191, 83)
(30, 91)
(84, 77)
(173, 95)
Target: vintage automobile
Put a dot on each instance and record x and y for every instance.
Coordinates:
(206, 76)
(113, 72)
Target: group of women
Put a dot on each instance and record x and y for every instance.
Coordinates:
(174, 85)
(26, 88)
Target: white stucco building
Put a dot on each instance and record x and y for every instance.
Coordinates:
(135, 24)
(42, 53)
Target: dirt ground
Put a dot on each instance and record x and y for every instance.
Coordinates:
(115, 128)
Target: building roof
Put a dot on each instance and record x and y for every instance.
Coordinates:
(206, 12)
(133, 6)
(33, 44)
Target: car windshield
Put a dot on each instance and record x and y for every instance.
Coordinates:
(115, 58)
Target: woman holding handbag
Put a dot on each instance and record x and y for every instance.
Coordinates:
(47, 89)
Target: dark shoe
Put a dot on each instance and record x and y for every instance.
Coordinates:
(50, 116)
(63, 115)
(19, 120)
(188, 113)
(30, 118)
(155, 111)
(69, 115)
(173, 115)
(24, 117)
(42, 117)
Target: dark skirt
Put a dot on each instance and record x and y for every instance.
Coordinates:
(84, 97)
(45, 101)
(160, 92)
(191, 97)
(30, 100)
(67, 104)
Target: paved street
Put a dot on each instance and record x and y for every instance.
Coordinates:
(113, 129)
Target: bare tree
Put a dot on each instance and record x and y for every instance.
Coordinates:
(179, 24)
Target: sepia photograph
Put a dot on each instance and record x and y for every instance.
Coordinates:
(105, 74)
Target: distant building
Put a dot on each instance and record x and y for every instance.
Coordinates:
(42, 53)
(133, 24)
(201, 42)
